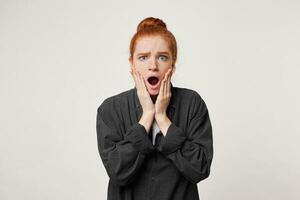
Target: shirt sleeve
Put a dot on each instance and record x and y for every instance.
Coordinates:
(121, 154)
(191, 151)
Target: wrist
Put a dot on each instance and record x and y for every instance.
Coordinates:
(163, 122)
(146, 120)
(161, 117)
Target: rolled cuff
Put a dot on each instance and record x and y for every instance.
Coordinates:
(172, 141)
(138, 136)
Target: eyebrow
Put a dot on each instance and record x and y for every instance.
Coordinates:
(160, 52)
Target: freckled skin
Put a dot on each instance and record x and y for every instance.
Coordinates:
(156, 59)
(154, 62)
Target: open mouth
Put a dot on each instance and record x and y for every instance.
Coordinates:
(152, 80)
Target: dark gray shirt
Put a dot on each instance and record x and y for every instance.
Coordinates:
(168, 170)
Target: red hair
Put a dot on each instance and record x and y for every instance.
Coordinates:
(151, 26)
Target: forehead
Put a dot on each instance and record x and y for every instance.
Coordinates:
(151, 44)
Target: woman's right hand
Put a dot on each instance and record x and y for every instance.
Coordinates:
(145, 99)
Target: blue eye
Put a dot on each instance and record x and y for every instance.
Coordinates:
(165, 57)
(141, 57)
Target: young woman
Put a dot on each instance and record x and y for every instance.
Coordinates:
(155, 140)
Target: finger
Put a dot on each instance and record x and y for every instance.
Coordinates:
(166, 82)
(133, 75)
(161, 87)
(140, 78)
(142, 82)
(138, 84)
(164, 85)
(169, 82)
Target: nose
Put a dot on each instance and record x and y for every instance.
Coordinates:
(153, 64)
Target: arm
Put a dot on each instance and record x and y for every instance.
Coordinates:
(122, 156)
(190, 151)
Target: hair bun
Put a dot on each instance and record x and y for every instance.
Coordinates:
(151, 22)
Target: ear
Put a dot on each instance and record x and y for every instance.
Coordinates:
(130, 61)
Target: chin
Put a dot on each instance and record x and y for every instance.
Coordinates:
(153, 92)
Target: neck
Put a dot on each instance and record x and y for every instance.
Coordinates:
(153, 97)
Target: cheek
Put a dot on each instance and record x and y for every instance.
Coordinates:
(142, 74)
(141, 71)
(144, 77)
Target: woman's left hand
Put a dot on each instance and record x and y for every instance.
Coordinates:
(164, 96)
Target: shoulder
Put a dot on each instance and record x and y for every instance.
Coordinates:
(110, 105)
(192, 99)
(188, 95)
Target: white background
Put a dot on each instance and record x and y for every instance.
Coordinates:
(60, 59)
